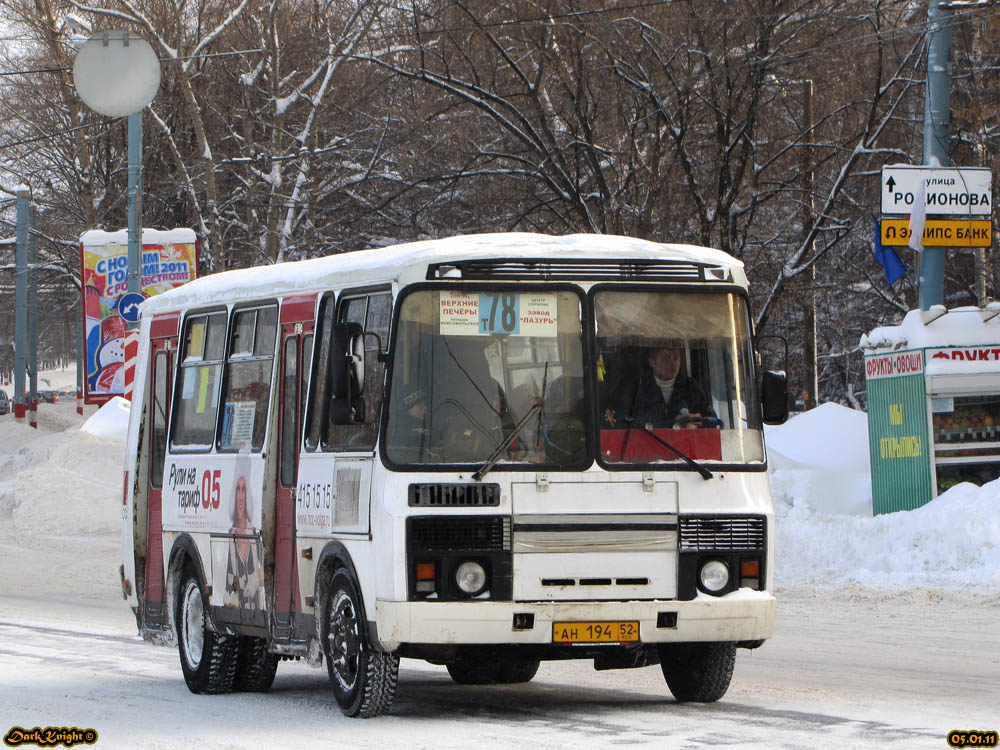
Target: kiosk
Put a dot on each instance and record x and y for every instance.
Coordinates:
(933, 404)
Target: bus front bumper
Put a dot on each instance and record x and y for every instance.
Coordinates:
(740, 616)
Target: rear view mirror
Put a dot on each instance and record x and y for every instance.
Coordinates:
(347, 374)
(774, 397)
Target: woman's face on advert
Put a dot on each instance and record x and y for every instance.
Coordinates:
(241, 497)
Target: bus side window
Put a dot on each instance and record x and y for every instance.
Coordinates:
(372, 312)
(158, 445)
(248, 379)
(318, 397)
(196, 404)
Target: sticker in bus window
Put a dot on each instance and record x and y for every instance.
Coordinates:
(203, 373)
(528, 314)
(538, 315)
(188, 383)
(237, 424)
(196, 340)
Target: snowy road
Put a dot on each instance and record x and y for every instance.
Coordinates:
(853, 669)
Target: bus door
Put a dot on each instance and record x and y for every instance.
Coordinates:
(162, 354)
(296, 349)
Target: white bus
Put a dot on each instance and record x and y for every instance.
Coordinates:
(483, 451)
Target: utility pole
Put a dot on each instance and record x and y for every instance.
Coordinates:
(21, 303)
(32, 325)
(809, 208)
(937, 111)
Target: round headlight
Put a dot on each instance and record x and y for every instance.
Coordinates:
(714, 575)
(470, 577)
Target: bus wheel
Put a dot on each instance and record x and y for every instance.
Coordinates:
(364, 679)
(208, 659)
(470, 671)
(255, 665)
(516, 669)
(698, 672)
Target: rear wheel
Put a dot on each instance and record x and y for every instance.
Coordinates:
(698, 672)
(255, 665)
(208, 659)
(363, 679)
(490, 666)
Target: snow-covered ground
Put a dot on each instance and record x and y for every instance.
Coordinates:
(917, 590)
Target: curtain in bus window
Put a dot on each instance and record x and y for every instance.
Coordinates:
(248, 380)
(196, 403)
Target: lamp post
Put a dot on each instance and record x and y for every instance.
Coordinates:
(808, 282)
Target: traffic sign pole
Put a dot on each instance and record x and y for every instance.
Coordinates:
(937, 108)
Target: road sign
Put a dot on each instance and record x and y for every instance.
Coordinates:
(960, 192)
(128, 306)
(940, 232)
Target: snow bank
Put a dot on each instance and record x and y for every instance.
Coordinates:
(111, 420)
(826, 533)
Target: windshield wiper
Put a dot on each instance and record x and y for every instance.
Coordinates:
(490, 462)
(705, 473)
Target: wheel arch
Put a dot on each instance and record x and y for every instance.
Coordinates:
(334, 557)
(184, 551)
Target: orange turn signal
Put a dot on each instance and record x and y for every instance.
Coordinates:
(749, 569)
(425, 572)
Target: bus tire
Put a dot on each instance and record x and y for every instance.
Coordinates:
(208, 659)
(255, 665)
(363, 678)
(517, 669)
(470, 671)
(698, 672)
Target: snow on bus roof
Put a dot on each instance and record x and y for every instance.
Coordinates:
(391, 262)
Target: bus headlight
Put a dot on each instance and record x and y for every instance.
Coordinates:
(470, 577)
(714, 575)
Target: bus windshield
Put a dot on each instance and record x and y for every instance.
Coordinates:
(674, 372)
(469, 366)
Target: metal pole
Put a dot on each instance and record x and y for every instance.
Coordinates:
(937, 109)
(134, 203)
(32, 326)
(21, 303)
(79, 360)
(809, 315)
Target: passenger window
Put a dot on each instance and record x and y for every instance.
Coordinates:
(372, 312)
(196, 404)
(248, 379)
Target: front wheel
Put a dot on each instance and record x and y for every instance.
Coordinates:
(698, 672)
(208, 659)
(363, 679)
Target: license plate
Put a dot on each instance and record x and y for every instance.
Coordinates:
(595, 632)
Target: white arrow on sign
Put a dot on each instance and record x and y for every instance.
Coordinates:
(959, 191)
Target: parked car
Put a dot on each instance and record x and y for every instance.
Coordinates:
(4, 402)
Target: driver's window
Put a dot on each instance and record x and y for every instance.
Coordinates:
(372, 311)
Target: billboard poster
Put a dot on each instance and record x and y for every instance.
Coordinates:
(169, 258)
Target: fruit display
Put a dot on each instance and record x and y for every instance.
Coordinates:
(975, 422)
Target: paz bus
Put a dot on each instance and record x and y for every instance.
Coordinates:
(433, 451)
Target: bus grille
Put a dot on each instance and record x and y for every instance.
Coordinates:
(469, 533)
(708, 533)
(577, 269)
(454, 495)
